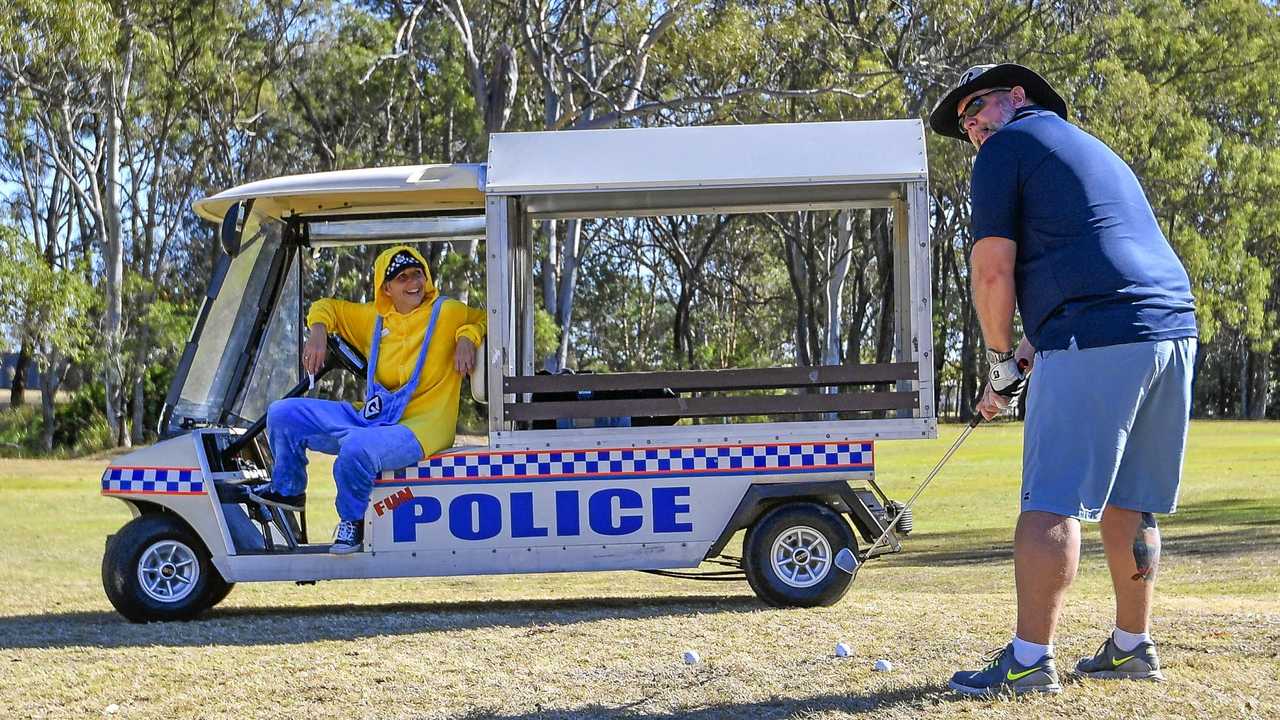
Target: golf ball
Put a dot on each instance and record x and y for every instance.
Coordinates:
(691, 657)
(883, 666)
(843, 650)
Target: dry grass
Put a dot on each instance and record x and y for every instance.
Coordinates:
(609, 645)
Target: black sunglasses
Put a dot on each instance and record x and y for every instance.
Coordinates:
(975, 106)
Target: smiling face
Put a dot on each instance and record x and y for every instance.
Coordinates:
(406, 289)
(983, 113)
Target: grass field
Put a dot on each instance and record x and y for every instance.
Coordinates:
(609, 645)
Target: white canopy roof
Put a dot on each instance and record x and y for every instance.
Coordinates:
(410, 187)
(718, 156)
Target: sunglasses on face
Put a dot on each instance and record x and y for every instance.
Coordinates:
(975, 106)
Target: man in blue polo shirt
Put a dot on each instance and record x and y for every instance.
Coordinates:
(1064, 231)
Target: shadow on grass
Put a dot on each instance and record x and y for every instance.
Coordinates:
(278, 625)
(1214, 529)
(923, 696)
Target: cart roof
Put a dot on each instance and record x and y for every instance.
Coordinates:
(715, 156)
(370, 190)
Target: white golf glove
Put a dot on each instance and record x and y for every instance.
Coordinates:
(1005, 376)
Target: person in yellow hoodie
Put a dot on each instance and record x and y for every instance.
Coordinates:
(419, 345)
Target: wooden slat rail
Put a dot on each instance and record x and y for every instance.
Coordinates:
(749, 379)
(713, 406)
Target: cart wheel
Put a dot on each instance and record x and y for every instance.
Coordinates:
(789, 556)
(219, 588)
(156, 569)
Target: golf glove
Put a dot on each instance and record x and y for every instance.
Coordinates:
(1005, 376)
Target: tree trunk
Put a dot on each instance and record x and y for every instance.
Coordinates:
(50, 381)
(798, 273)
(1259, 362)
(18, 390)
(138, 429)
(570, 256)
(681, 346)
(884, 263)
(840, 255)
(969, 382)
(117, 96)
(1244, 380)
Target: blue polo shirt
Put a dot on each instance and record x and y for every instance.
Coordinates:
(1092, 264)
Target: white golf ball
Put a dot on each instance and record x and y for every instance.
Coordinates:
(883, 666)
(843, 650)
(691, 657)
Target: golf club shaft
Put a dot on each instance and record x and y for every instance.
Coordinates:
(973, 423)
(932, 474)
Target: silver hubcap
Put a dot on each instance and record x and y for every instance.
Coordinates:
(168, 571)
(801, 556)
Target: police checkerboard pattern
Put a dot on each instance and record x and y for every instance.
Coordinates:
(161, 481)
(679, 461)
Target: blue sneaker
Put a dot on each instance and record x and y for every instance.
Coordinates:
(1003, 674)
(348, 538)
(1112, 663)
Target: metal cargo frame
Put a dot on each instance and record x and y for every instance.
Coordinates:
(706, 170)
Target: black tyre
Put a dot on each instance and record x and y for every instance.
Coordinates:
(155, 568)
(219, 588)
(789, 555)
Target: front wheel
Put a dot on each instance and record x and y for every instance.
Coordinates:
(156, 569)
(789, 556)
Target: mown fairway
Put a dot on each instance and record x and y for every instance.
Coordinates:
(609, 645)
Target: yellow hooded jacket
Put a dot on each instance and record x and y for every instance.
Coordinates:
(432, 412)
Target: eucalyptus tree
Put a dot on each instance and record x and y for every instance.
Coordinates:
(70, 63)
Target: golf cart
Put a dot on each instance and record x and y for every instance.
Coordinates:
(581, 472)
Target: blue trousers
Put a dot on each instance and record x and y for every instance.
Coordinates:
(295, 425)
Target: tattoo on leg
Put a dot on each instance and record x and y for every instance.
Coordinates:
(1146, 549)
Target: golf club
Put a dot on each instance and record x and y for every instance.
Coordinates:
(847, 561)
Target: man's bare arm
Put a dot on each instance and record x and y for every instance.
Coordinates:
(991, 267)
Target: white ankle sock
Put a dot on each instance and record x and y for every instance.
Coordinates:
(1026, 653)
(1127, 641)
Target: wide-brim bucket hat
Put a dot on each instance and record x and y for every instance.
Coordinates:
(943, 119)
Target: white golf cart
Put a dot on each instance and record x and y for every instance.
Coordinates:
(582, 472)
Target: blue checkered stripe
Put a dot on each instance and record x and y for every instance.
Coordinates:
(666, 461)
(160, 481)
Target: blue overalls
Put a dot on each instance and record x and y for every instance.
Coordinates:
(367, 442)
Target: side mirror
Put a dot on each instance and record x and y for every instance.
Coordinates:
(232, 228)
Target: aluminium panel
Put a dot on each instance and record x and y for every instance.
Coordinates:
(677, 158)
(498, 335)
(904, 292)
(309, 566)
(737, 433)
(715, 200)
(921, 292)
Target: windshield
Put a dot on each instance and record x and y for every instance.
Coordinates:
(230, 317)
(276, 363)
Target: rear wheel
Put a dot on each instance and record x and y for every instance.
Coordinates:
(789, 556)
(156, 569)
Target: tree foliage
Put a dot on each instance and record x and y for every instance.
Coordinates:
(119, 114)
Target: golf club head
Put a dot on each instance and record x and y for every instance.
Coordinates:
(847, 561)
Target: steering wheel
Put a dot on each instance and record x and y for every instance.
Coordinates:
(342, 355)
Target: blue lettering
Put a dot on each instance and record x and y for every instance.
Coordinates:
(522, 517)
(567, 523)
(665, 510)
(601, 514)
(488, 516)
(408, 515)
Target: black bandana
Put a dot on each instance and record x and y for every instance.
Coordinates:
(401, 261)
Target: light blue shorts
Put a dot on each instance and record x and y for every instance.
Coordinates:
(1107, 426)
